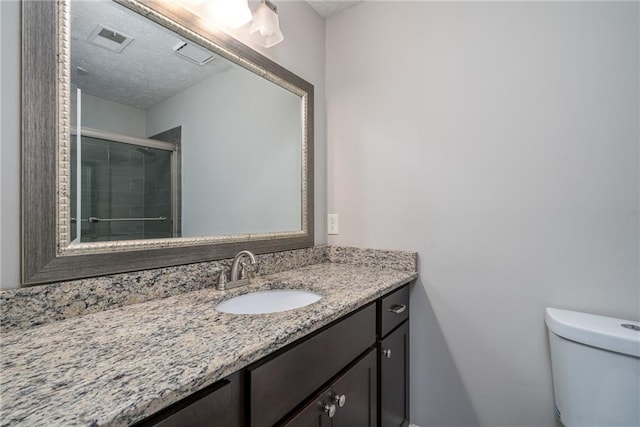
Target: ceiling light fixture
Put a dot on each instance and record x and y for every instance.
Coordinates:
(229, 13)
(265, 29)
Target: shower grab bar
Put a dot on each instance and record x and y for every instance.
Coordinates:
(93, 219)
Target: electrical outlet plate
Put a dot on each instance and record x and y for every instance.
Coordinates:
(332, 224)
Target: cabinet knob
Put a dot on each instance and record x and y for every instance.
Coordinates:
(398, 308)
(387, 353)
(340, 399)
(330, 409)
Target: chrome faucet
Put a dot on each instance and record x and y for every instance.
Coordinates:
(241, 272)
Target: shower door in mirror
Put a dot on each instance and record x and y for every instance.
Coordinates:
(123, 188)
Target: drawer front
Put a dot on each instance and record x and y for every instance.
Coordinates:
(280, 384)
(394, 309)
(219, 404)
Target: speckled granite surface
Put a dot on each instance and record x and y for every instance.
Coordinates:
(39, 305)
(118, 366)
(374, 258)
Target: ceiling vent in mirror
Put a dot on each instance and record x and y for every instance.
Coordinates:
(109, 39)
(193, 53)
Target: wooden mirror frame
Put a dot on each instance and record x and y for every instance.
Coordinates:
(46, 255)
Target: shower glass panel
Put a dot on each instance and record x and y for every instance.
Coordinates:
(126, 191)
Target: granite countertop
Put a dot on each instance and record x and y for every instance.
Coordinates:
(118, 366)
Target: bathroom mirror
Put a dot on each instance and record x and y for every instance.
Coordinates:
(151, 139)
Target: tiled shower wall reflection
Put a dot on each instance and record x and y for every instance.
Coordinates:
(121, 184)
(157, 195)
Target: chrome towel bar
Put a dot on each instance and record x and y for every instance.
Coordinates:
(93, 219)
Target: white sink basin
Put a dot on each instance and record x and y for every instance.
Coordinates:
(271, 301)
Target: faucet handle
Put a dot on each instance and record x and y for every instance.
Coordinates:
(215, 273)
(248, 270)
(222, 278)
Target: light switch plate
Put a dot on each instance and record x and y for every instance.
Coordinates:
(332, 224)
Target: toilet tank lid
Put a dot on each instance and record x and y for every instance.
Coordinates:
(597, 331)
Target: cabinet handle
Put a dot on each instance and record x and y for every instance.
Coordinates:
(340, 399)
(387, 353)
(330, 409)
(398, 308)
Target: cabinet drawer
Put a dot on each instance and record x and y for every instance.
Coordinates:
(278, 385)
(394, 309)
(219, 404)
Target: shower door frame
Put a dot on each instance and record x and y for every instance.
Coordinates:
(147, 143)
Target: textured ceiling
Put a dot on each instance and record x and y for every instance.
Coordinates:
(145, 72)
(330, 8)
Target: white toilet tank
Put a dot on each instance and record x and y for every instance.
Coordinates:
(596, 369)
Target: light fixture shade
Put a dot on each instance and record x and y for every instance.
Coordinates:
(192, 2)
(265, 29)
(229, 13)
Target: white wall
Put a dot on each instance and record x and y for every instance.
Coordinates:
(302, 52)
(10, 143)
(500, 141)
(102, 114)
(241, 154)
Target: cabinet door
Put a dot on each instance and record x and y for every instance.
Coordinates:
(394, 378)
(314, 414)
(358, 389)
(219, 404)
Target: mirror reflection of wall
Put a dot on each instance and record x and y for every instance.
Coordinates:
(244, 173)
(240, 144)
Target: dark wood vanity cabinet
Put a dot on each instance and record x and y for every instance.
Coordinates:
(393, 359)
(351, 373)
